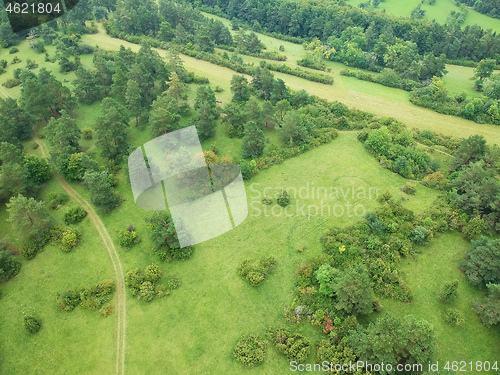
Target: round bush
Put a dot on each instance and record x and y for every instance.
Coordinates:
(31, 324)
(283, 199)
(250, 350)
(147, 291)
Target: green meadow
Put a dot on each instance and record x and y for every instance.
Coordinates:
(440, 11)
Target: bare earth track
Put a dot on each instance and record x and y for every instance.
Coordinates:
(115, 260)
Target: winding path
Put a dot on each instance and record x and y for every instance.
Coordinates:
(115, 260)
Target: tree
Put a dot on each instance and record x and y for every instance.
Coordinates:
(293, 131)
(489, 308)
(87, 89)
(133, 98)
(30, 219)
(279, 91)
(14, 180)
(379, 141)
(393, 340)
(207, 114)
(15, 122)
(164, 116)
(38, 169)
(240, 89)
(101, 191)
(353, 289)
(111, 130)
(177, 90)
(470, 151)
(483, 70)
(253, 141)
(203, 40)
(119, 86)
(492, 87)
(262, 82)
(63, 135)
(235, 119)
(482, 262)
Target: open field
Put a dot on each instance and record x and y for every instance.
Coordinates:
(440, 11)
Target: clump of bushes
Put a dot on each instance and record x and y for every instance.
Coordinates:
(89, 297)
(256, 272)
(31, 324)
(144, 284)
(74, 215)
(294, 346)
(449, 292)
(409, 189)
(250, 350)
(129, 237)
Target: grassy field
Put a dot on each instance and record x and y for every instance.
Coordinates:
(440, 11)
(471, 341)
(194, 330)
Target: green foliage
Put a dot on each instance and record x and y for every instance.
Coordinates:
(144, 285)
(474, 228)
(353, 290)
(128, 238)
(409, 189)
(482, 262)
(379, 140)
(250, 350)
(257, 271)
(74, 215)
(101, 192)
(9, 266)
(420, 235)
(89, 297)
(488, 309)
(393, 340)
(57, 199)
(294, 346)
(31, 324)
(38, 169)
(454, 316)
(69, 240)
(30, 219)
(253, 141)
(240, 89)
(164, 237)
(449, 292)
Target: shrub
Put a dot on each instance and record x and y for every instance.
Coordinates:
(128, 238)
(9, 266)
(256, 272)
(473, 228)
(13, 50)
(74, 215)
(267, 201)
(250, 350)
(30, 250)
(31, 324)
(173, 282)
(69, 240)
(106, 310)
(409, 189)
(283, 198)
(420, 235)
(89, 297)
(449, 292)
(454, 316)
(295, 346)
(12, 82)
(87, 133)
